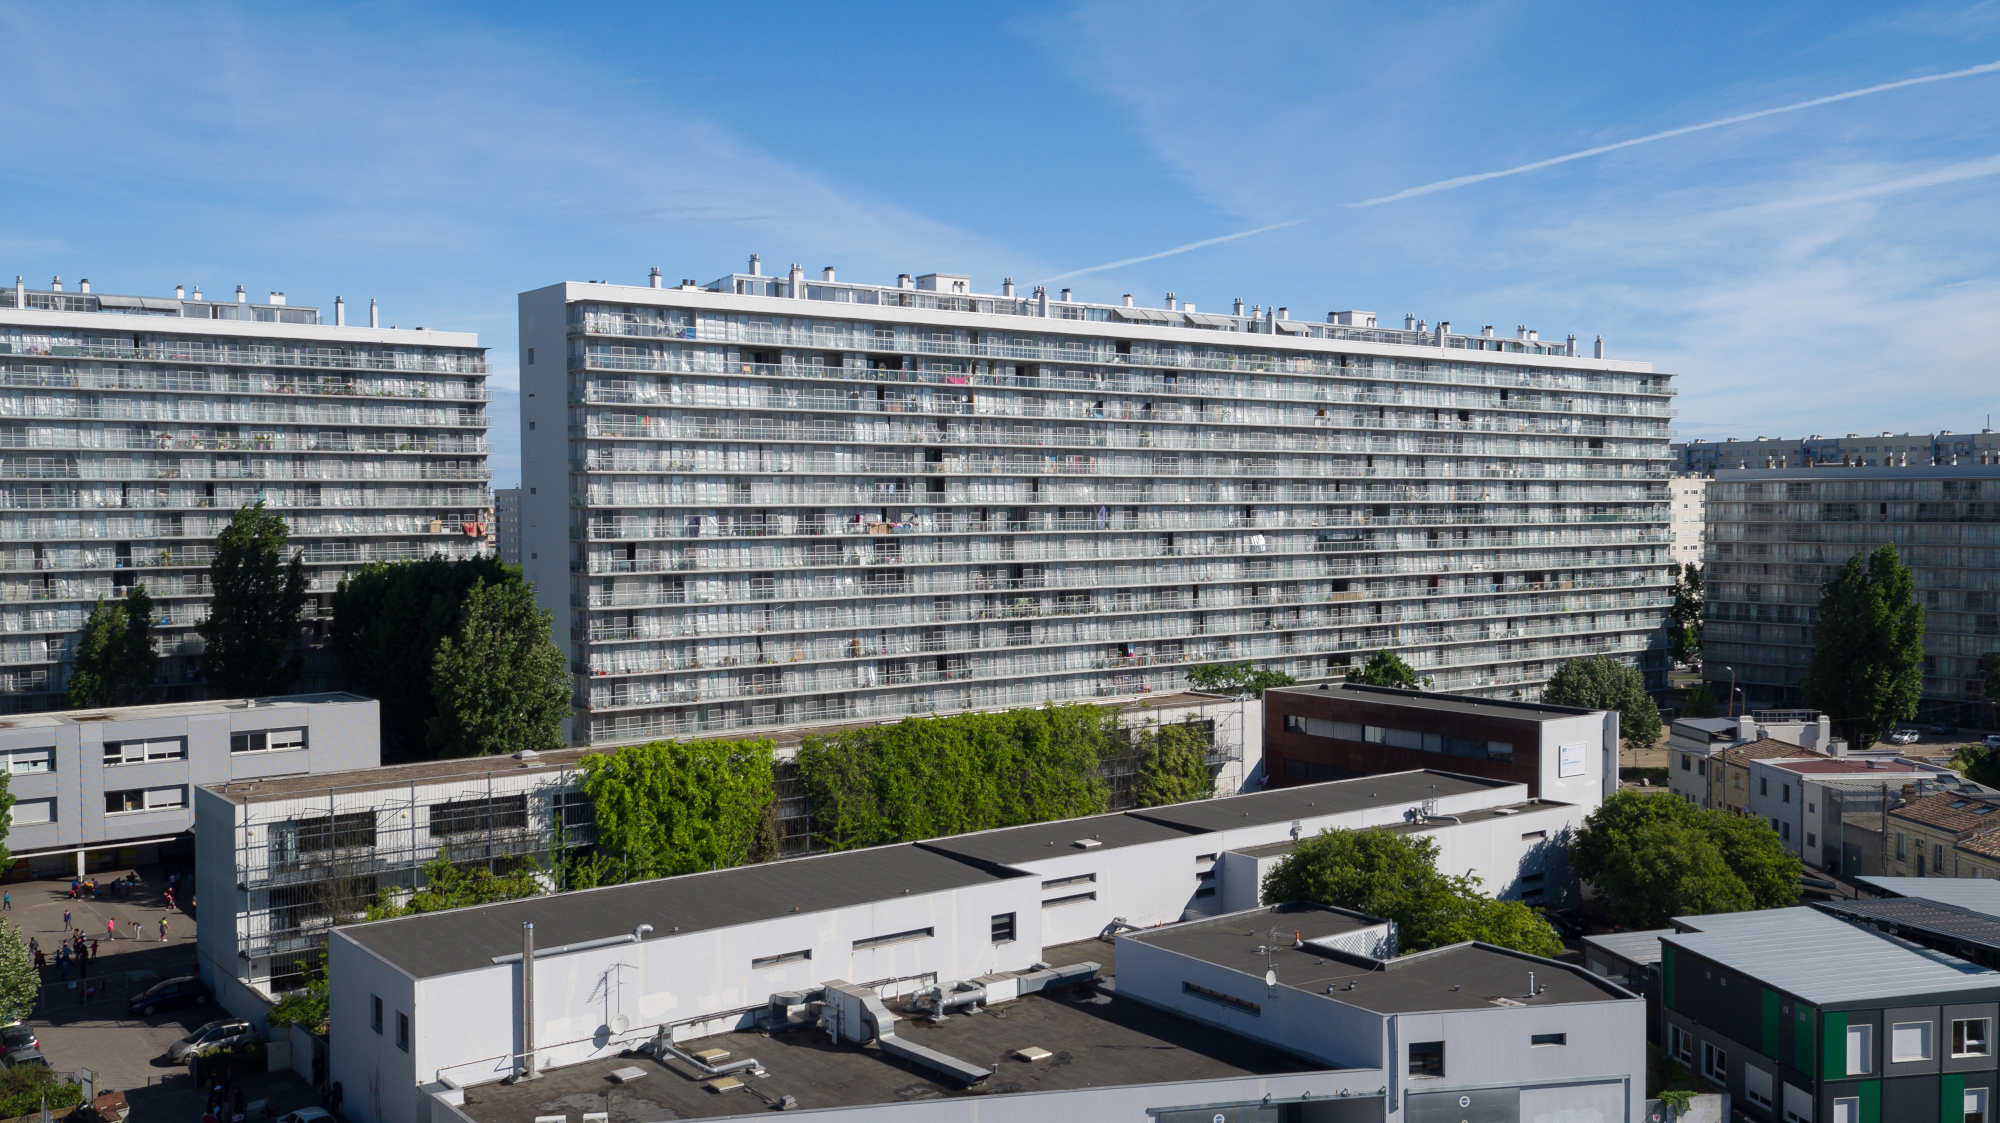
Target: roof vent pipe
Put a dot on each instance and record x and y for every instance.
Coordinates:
(84, 286)
(1239, 306)
(1065, 296)
(826, 274)
(1170, 302)
(339, 312)
(374, 314)
(903, 281)
(55, 285)
(20, 292)
(1284, 313)
(653, 279)
(527, 1002)
(1007, 287)
(1570, 348)
(180, 293)
(1409, 321)
(197, 292)
(1600, 347)
(241, 296)
(798, 279)
(1041, 301)
(277, 298)
(1128, 300)
(756, 266)
(639, 933)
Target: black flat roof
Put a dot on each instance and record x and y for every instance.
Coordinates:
(1049, 840)
(1933, 918)
(1282, 805)
(443, 943)
(1465, 976)
(1433, 700)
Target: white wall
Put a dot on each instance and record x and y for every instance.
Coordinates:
(1586, 788)
(377, 1078)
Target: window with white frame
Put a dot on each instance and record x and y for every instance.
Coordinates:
(21, 761)
(144, 799)
(139, 752)
(1714, 1063)
(1910, 1041)
(1860, 1050)
(1972, 1037)
(1975, 1105)
(1681, 1044)
(267, 741)
(1798, 1105)
(1847, 1109)
(1758, 1086)
(29, 811)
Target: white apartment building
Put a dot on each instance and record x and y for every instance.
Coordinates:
(1688, 495)
(789, 502)
(132, 428)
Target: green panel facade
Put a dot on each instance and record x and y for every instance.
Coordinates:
(1769, 1047)
(1836, 1044)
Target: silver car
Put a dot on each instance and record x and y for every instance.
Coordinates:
(211, 1037)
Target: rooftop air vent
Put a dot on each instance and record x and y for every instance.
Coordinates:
(1087, 844)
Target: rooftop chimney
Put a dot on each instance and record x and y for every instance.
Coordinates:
(903, 281)
(1041, 300)
(1600, 347)
(20, 292)
(1065, 296)
(1239, 306)
(1284, 313)
(374, 314)
(798, 281)
(277, 298)
(1007, 287)
(826, 274)
(180, 293)
(84, 285)
(241, 296)
(756, 266)
(1487, 331)
(1410, 322)
(339, 312)
(1520, 331)
(653, 278)
(1128, 300)
(197, 292)
(1170, 302)
(55, 285)
(1570, 348)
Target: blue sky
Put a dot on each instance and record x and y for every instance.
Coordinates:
(1828, 270)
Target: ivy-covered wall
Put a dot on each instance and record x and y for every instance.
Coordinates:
(673, 807)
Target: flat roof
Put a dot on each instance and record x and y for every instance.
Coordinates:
(1932, 918)
(174, 709)
(1633, 947)
(1851, 472)
(1837, 765)
(1095, 1041)
(1283, 805)
(1976, 893)
(1010, 845)
(1417, 826)
(1434, 700)
(443, 943)
(391, 776)
(1468, 976)
(1823, 960)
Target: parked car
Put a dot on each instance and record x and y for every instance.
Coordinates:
(1902, 736)
(215, 1035)
(308, 1115)
(1944, 729)
(22, 1057)
(1992, 741)
(18, 1036)
(184, 991)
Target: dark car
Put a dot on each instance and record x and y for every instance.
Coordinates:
(22, 1057)
(1944, 729)
(17, 1037)
(184, 991)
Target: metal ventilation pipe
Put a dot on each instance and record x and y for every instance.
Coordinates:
(756, 266)
(527, 1002)
(798, 281)
(20, 292)
(241, 296)
(639, 933)
(1007, 287)
(84, 286)
(654, 280)
(180, 293)
(56, 285)
(339, 312)
(374, 314)
(826, 274)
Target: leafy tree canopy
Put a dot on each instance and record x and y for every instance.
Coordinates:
(1866, 670)
(20, 983)
(1600, 682)
(1684, 616)
(931, 777)
(449, 885)
(115, 661)
(1699, 702)
(1395, 877)
(1654, 856)
(498, 682)
(674, 807)
(250, 639)
(307, 1006)
(1386, 668)
(1236, 678)
(1173, 764)
(388, 620)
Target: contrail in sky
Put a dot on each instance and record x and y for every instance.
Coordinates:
(1171, 252)
(1461, 181)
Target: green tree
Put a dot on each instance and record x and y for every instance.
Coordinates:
(931, 777)
(115, 661)
(1655, 856)
(1684, 617)
(499, 683)
(1395, 876)
(1600, 682)
(1173, 765)
(388, 620)
(6, 819)
(1670, 869)
(674, 807)
(306, 1006)
(1236, 678)
(251, 636)
(20, 983)
(1866, 670)
(26, 1089)
(451, 885)
(1699, 702)
(1978, 764)
(1386, 668)
(1756, 856)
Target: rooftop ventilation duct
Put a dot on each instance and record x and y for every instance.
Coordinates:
(653, 279)
(756, 266)
(1007, 287)
(826, 274)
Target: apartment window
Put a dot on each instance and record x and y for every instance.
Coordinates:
(1758, 1086)
(1072, 899)
(473, 816)
(1785, 831)
(1937, 856)
(1902, 848)
(1847, 1109)
(1798, 1105)
(894, 938)
(1681, 1044)
(1975, 1105)
(1763, 785)
(1530, 836)
(1860, 1050)
(1242, 1004)
(1972, 1037)
(576, 810)
(267, 741)
(1910, 1041)
(1003, 928)
(138, 752)
(1787, 798)
(1812, 840)
(337, 832)
(1541, 1040)
(1714, 1063)
(402, 1031)
(1426, 1058)
(785, 957)
(27, 811)
(1073, 879)
(375, 1013)
(22, 761)
(144, 799)
(1687, 763)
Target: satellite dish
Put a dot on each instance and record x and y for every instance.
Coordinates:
(620, 1023)
(1271, 978)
